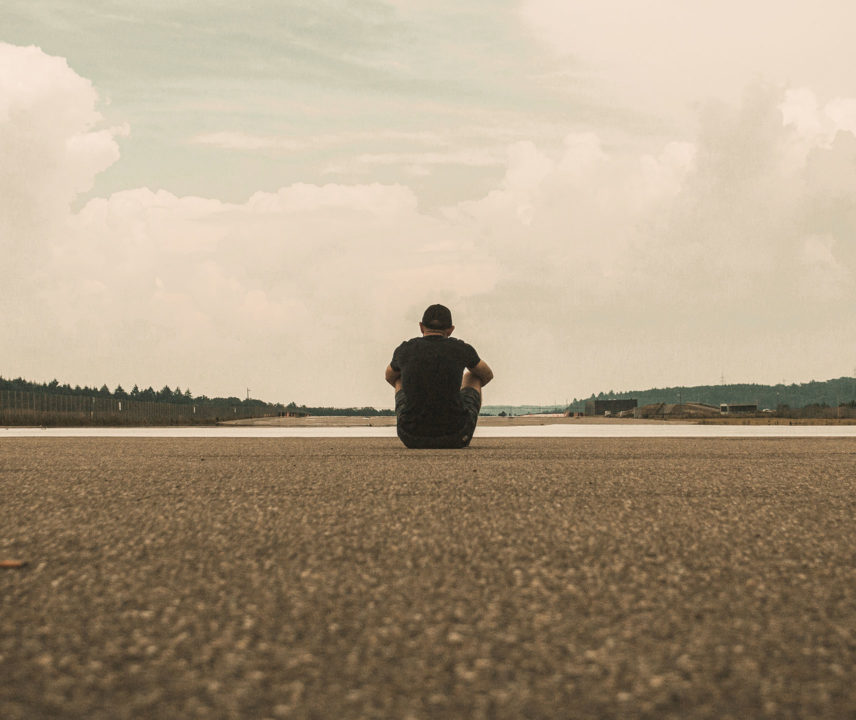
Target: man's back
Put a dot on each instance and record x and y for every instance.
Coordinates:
(438, 382)
(431, 368)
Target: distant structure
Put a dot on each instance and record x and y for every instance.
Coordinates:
(738, 409)
(669, 411)
(294, 413)
(609, 407)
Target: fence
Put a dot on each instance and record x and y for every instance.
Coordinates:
(34, 408)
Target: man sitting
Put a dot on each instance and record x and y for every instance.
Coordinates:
(438, 381)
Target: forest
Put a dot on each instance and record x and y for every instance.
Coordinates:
(823, 393)
(176, 396)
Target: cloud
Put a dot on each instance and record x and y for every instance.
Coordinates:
(229, 140)
(245, 141)
(666, 268)
(487, 157)
(585, 268)
(292, 282)
(51, 148)
(672, 54)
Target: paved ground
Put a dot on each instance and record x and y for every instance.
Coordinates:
(537, 578)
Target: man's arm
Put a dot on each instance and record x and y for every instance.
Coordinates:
(483, 372)
(393, 377)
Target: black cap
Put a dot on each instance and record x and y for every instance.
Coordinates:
(437, 317)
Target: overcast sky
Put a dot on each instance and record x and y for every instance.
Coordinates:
(612, 195)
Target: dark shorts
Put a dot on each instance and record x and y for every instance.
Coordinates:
(471, 400)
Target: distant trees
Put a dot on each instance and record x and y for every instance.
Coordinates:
(339, 412)
(178, 396)
(828, 393)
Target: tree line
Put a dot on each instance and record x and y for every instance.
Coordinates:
(149, 394)
(820, 393)
(178, 396)
(336, 411)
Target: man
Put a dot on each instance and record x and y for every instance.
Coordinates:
(438, 381)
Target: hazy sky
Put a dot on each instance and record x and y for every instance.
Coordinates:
(612, 195)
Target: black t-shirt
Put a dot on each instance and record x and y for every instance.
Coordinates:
(431, 367)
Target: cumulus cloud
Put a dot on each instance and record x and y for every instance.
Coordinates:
(51, 147)
(285, 290)
(669, 268)
(584, 269)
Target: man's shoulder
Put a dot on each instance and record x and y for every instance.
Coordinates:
(404, 346)
(463, 346)
(408, 343)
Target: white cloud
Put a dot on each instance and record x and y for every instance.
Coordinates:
(585, 268)
(490, 157)
(614, 264)
(244, 141)
(50, 146)
(232, 140)
(825, 277)
(671, 53)
(292, 282)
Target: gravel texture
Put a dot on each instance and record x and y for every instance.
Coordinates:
(521, 578)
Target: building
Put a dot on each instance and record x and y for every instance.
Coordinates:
(609, 407)
(738, 409)
(670, 411)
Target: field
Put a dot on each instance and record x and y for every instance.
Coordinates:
(351, 578)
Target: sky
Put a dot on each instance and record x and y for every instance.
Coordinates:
(263, 197)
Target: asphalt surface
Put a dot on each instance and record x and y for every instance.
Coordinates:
(521, 578)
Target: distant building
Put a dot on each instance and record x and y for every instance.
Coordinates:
(291, 412)
(666, 411)
(609, 407)
(738, 409)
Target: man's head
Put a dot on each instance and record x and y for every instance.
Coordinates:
(437, 319)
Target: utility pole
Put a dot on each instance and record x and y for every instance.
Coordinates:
(248, 393)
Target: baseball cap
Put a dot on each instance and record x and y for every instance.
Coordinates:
(437, 317)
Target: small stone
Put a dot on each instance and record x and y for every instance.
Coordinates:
(13, 564)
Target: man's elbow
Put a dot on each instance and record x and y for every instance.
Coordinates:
(484, 373)
(391, 376)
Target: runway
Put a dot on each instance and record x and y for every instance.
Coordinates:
(351, 578)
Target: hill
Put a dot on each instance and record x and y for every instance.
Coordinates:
(830, 393)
